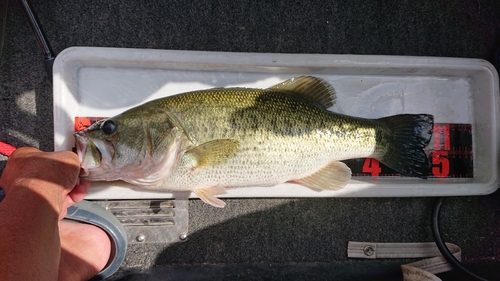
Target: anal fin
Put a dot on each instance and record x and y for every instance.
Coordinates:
(207, 195)
(333, 176)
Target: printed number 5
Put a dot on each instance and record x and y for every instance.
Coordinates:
(440, 164)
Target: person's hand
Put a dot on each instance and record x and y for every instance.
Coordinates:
(53, 175)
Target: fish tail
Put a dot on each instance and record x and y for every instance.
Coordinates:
(405, 137)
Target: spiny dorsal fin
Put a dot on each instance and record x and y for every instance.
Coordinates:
(312, 87)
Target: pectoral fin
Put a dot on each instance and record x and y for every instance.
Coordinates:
(333, 176)
(207, 195)
(214, 152)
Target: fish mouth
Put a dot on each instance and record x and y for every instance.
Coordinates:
(89, 155)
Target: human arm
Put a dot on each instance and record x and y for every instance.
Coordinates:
(38, 187)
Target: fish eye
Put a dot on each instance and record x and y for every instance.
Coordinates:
(108, 127)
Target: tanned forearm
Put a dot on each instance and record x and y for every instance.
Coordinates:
(30, 236)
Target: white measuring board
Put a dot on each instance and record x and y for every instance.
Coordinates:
(102, 82)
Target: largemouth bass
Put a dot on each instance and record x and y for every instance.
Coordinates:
(206, 141)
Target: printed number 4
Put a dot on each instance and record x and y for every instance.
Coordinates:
(372, 166)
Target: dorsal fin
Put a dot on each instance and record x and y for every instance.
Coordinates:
(312, 87)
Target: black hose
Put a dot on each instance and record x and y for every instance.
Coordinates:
(441, 244)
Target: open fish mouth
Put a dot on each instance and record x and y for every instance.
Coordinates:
(89, 154)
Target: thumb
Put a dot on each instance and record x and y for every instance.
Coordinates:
(76, 195)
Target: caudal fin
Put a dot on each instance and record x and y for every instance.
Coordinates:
(410, 133)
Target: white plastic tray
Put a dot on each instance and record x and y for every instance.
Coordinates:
(101, 82)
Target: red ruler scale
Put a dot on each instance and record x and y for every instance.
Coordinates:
(82, 123)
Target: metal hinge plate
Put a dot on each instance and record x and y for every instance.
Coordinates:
(151, 221)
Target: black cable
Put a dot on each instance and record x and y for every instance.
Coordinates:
(441, 244)
(41, 38)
